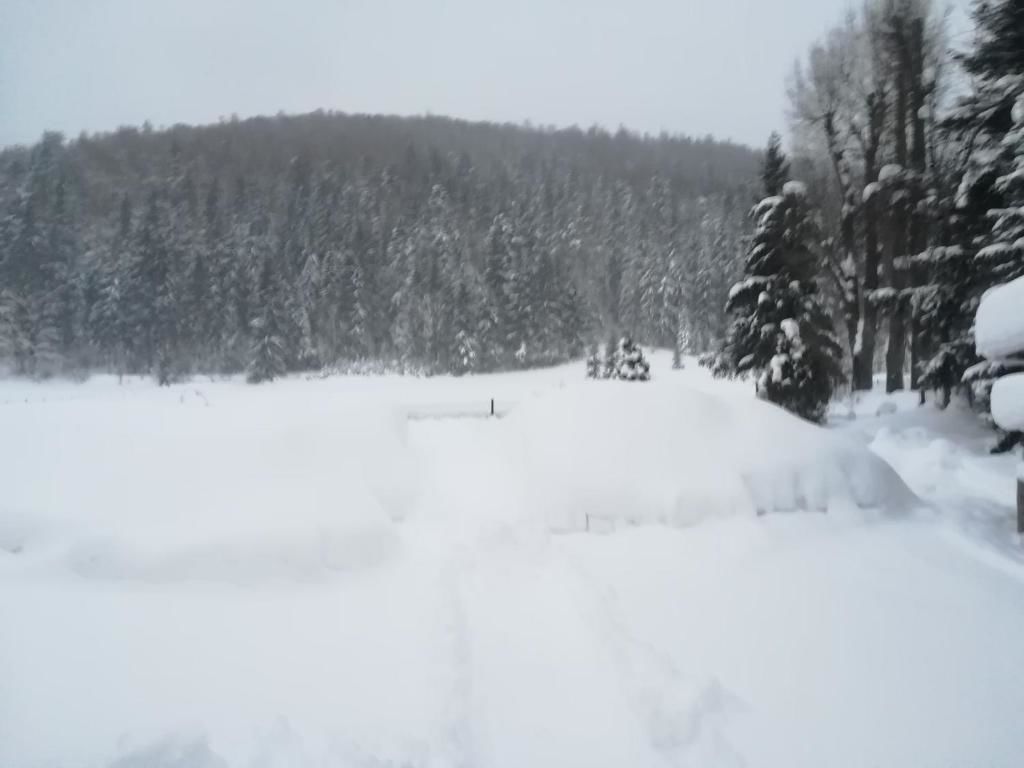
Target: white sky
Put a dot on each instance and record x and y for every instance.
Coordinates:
(687, 66)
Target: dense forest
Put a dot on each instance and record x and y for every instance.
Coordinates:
(910, 205)
(428, 244)
(344, 241)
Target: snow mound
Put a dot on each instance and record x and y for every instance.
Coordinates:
(1008, 401)
(999, 326)
(668, 454)
(226, 493)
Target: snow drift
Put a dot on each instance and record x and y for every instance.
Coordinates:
(1008, 401)
(243, 490)
(666, 453)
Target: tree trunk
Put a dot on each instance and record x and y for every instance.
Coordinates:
(1020, 502)
(864, 349)
(851, 301)
(918, 162)
(895, 353)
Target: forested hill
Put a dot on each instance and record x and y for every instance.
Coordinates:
(284, 243)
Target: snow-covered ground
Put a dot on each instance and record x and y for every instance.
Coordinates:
(319, 573)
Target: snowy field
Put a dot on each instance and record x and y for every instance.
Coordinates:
(322, 573)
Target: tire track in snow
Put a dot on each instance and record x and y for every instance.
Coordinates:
(460, 732)
(531, 683)
(686, 720)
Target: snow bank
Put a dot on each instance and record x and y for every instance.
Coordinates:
(1008, 401)
(999, 326)
(799, 640)
(665, 453)
(249, 489)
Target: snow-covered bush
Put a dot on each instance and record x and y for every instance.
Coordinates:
(632, 365)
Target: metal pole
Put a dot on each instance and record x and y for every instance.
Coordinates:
(492, 406)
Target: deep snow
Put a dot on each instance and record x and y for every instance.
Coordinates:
(298, 575)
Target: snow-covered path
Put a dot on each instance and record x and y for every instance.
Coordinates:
(468, 633)
(538, 682)
(800, 640)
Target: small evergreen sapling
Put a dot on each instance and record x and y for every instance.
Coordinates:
(632, 364)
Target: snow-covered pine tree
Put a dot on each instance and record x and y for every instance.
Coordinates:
(268, 359)
(632, 365)
(943, 300)
(31, 274)
(990, 119)
(774, 166)
(1002, 260)
(465, 353)
(108, 322)
(780, 331)
(496, 276)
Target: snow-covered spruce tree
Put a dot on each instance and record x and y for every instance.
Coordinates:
(632, 365)
(780, 331)
(1002, 260)
(33, 278)
(107, 321)
(268, 360)
(945, 302)
(774, 167)
(465, 353)
(990, 120)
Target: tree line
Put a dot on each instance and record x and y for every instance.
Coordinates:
(910, 207)
(329, 240)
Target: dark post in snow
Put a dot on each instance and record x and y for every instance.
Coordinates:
(1020, 503)
(492, 406)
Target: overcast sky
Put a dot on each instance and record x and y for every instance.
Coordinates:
(685, 66)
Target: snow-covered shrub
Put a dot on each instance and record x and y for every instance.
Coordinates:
(632, 365)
